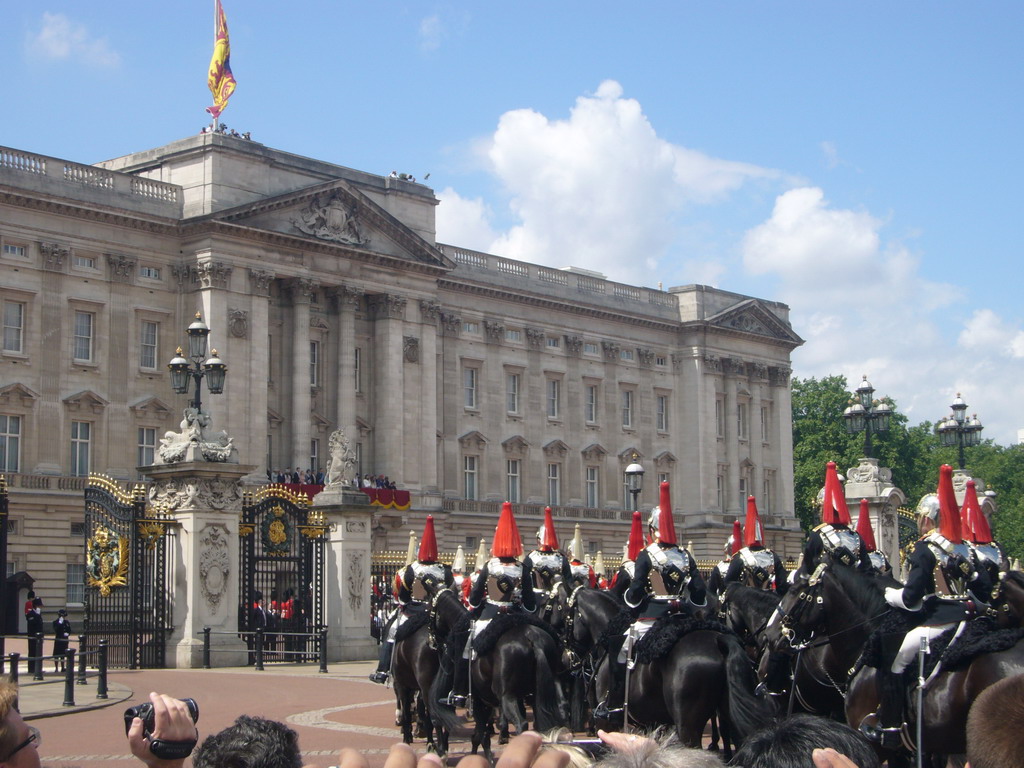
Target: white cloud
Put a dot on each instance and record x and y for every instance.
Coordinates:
(599, 189)
(61, 39)
(466, 220)
(431, 33)
(864, 307)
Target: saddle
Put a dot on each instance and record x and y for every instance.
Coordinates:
(661, 638)
(484, 642)
(414, 622)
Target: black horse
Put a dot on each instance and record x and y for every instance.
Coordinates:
(516, 660)
(845, 605)
(416, 663)
(581, 617)
(705, 673)
(747, 611)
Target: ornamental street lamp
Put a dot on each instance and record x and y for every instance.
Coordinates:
(635, 480)
(958, 430)
(213, 369)
(867, 415)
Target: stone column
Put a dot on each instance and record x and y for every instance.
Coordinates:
(426, 443)
(301, 292)
(205, 498)
(389, 313)
(732, 441)
(347, 574)
(451, 329)
(54, 318)
(347, 298)
(250, 332)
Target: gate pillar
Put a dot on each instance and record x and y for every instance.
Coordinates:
(874, 483)
(347, 580)
(206, 500)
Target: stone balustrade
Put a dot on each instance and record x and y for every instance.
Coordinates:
(52, 170)
(563, 281)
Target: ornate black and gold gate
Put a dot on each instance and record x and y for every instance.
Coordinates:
(126, 599)
(282, 545)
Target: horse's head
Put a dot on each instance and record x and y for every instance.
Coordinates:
(801, 613)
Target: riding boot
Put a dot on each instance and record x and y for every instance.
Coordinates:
(778, 675)
(613, 703)
(891, 694)
(384, 665)
(459, 693)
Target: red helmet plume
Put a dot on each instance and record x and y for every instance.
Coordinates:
(507, 542)
(546, 536)
(975, 525)
(428, 544)
(636, 537)
(753, 533)
(661, 518)
(833, 506)
(949, 512)
(864, 529)
(737, 537)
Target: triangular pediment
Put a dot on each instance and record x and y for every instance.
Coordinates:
(151, 408)
(336, 215)
(594, 452)
(665, 457)
(515, 446)
(753, 317)
(473, 440)
(556, 448)
(18, 394)
(86, 400)
(630, 456)
(274, 418)
(321, 424)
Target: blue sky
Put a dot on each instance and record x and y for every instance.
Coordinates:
(857, 161)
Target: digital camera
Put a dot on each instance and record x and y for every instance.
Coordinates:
(166, 750)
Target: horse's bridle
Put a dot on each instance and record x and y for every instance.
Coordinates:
(805, 599)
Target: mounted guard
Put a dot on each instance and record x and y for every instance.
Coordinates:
(502, 586)
(582, 574)
(414, 588)
(547, 563)
(833, 540)
(755, 565)
(665, 581)
(878, 560)
(978, 535)
(943, 589)
(732, 546)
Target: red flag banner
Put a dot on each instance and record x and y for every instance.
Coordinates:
(220, 80)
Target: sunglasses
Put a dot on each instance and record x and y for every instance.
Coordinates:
(34, 737)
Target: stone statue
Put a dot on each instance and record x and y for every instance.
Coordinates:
(195, 443)
(341, 466)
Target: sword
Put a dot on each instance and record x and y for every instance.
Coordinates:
(630, 637)
(922, 651)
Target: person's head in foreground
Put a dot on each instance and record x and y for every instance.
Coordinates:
(994, 736)
(250, 742)
(790, 743)
(18, 740)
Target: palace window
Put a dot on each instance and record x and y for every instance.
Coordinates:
(554, 387)
(554, 485)
(81, 438)
(148, 335)
(14, 326)
(469, 477)
(83, 336)
(10, 443)
(661, 412)
(590, 405)
(627, 408)
(592, 487)
(75, 583)
(314, 363)
(470, 387)
(512, 473)
(147, 446)
(512, 382)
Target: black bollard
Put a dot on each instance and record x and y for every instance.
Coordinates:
(101, 685)
(14, 667)
(259, 649)
(206, 647)
(38, 657)
(323, 650)
(69, 678)
(81, 659)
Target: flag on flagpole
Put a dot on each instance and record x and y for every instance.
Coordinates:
(220, 79)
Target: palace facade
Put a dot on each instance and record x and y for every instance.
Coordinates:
(467, 378)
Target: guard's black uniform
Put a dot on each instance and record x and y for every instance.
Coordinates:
(501, 587)
(61, 636)
(834, 543)
(759, 567)
(661, 577)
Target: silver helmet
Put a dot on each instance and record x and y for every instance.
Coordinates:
(928, 507)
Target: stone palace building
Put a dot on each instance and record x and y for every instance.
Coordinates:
(467, 378)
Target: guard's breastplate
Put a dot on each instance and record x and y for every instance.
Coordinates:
(879, 561)
(841, 544)
(670, 572)
(504, 581)
(989, 555)
(758, 568)
(580, 573)
(546, 566)
(723, 568)
(629, 566)
(421, 571)
(953, 567)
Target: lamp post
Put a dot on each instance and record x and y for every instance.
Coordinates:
(958, 430)
(212, 369)
(635, 480)
(867, 415)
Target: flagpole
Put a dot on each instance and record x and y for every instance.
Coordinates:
(213, 118)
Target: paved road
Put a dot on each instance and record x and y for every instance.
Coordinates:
(340, 708)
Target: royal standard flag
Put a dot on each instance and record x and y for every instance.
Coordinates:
(220, 79)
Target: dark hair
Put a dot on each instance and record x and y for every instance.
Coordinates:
(790, 742)
(250, 742)
(994, 736)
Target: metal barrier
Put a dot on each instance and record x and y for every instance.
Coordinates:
(256, 642)
(71, 676)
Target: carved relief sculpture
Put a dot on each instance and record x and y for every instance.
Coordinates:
(331, 218)
(411, 349)
(238, 323)
(354, 581)
(214, 564)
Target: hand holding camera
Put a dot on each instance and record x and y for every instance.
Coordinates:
(163, 730)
